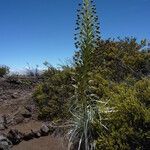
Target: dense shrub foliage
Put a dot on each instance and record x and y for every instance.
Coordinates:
(128, 124)
(4, 70)
(118, 60)
(53, 94)
(105, 95)
(121, 82)
(127, 120)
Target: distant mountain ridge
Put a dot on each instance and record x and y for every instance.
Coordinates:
(25, 71)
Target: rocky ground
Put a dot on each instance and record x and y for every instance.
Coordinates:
(20, 128)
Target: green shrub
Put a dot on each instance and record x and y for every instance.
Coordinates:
(108, 105)
(128, 123)
(117, 60)
(4, 70)
(142, 88)
(52, 96)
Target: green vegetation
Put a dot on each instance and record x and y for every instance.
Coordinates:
(4, 70)
(118, 60)
(84, 109)
(105, 95)
(128, 123)
(53, 94)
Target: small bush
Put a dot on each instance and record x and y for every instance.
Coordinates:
(4, 70)
(117, 60)
(143, 91)
(52, 96)
(128, 125)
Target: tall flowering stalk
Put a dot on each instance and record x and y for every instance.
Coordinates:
(84, 108)
(87, 28)
(86, 41)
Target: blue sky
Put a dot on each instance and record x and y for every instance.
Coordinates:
(34, 31)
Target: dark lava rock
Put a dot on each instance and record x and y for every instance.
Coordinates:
(5, 143)
(26, 114)
(44, 130)
(14, 95)
(13, 80)
(2, 127)
(8, 120)
(15, 136)
(28, 136)
(3, 122)
(29, 108)
(37, 134)
(4, 97)
(18, 119)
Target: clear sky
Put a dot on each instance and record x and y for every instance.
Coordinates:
(34, 31)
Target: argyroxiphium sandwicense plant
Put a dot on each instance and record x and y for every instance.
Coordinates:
(84, 108)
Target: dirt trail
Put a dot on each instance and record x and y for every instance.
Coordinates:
(43, 143)
(11, 105)
(14, 98)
